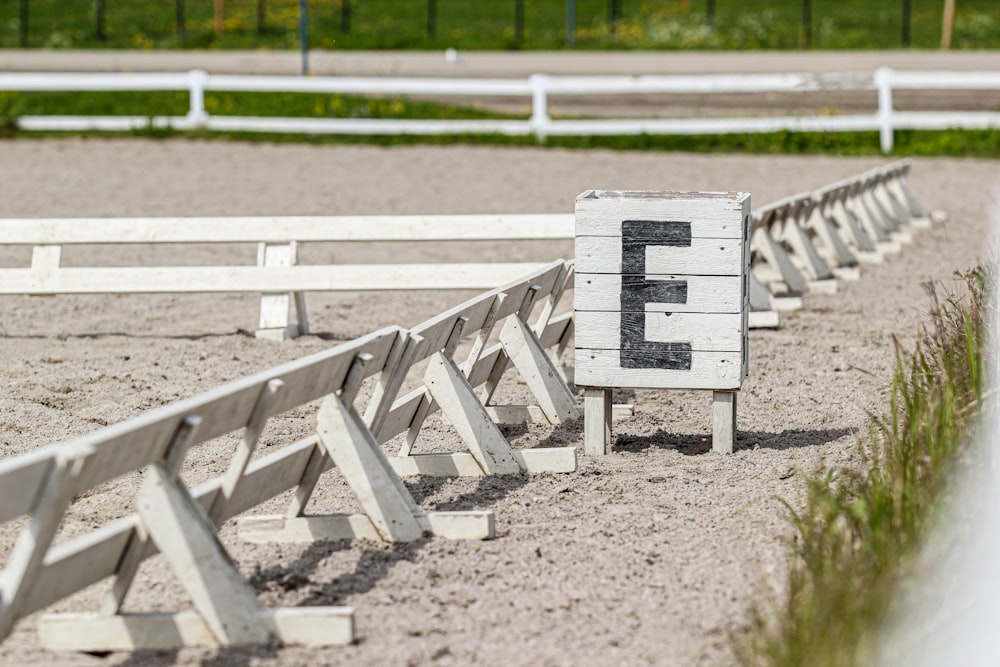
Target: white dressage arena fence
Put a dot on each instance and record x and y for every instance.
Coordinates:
(277, 274)
(538, 88)
(180, 522)
(797, 245)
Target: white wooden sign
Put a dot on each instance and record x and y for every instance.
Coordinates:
(662, 296)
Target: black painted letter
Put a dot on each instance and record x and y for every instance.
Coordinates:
(637, 291)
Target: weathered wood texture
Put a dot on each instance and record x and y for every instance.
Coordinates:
(277, 276)
(723, 421)
(663, 279)
(710, 332)
(181, 523)
(463, 392)
(171, 519)
(715, 294)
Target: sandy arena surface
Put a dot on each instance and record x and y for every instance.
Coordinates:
(647, 556)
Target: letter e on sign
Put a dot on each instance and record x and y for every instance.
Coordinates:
(661, 289)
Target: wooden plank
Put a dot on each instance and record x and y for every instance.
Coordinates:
(462, 464)
(703, 294)
(83, 561)
(283, 528)
(435, 333)
(871, 224)
(470, 525)
(712, 214)
(437, 330)
(24, 564)
(760, 296)
(854, 230)
(141, 544)
(187, 539)
(275, 307)
(306, 626)
(267, 477)
(764, 319)
(390, 381)
(455, 464)
(244, 451)
(597, 420)
(546, 459)
(516, 414)
(45, 263)
(401, 415)
(278, 229)
(555, 330)
(458, 402)
(354, 451)
(21, 479)
(779, 260)
(536, 369)
(709, 370)
(723, 421)
(132, 444)
(711, 257)
(802, 244)
(713, 332)
(836, 248)
(302, 278)
(475, 525)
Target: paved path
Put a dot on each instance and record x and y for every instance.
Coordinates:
(489, 63)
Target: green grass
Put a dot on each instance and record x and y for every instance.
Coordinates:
(490, 24)
(860, 530)
(175, 103)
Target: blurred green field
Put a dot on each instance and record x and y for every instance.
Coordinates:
(494, 24)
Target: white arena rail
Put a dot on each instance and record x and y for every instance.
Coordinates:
(181, 523)
(799, 244)
(537, 87)
(277, 274)
(805, 242)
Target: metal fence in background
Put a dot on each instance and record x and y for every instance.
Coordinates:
(498, 24)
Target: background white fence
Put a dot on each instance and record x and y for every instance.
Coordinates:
(538, 88)
(799, 244)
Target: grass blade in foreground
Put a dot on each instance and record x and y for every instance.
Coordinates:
(860, 530)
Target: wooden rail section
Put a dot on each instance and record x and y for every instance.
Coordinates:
(463, 392)
(800, 244)
(806, 242)
(277, 275)
(181, 523)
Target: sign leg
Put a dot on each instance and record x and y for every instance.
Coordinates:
(597, 420)
(723, 421)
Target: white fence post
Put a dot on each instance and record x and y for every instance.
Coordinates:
(539, 105)
(883, 82)
(196, 113)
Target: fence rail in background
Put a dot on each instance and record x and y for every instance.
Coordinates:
(805, 242)
(799, 244)
(277, 275)
(538, 88)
